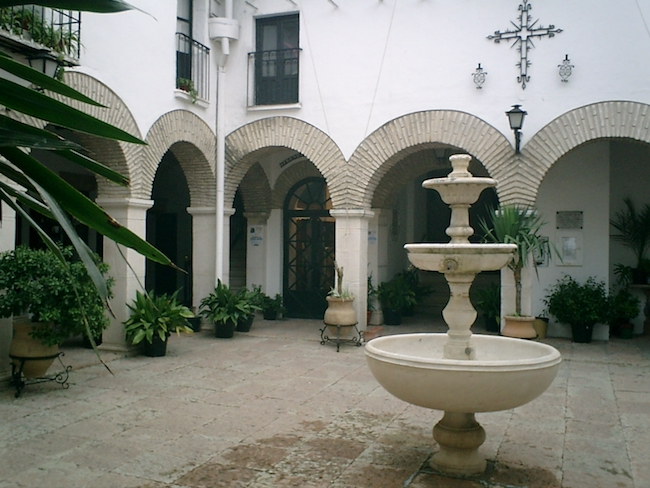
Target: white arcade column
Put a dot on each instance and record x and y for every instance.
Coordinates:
(131, 213)
(352, 255)
(256, 245)
(203, 253)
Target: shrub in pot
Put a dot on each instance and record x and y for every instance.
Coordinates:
(394, 298)
(579, 305)
(152, 320)
(409, 279)
(622, 307)
(58, 300)
(272, 307)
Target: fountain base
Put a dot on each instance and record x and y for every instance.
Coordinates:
(459, 436)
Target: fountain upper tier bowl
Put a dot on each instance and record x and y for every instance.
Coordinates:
(460, 258)
(506, 373)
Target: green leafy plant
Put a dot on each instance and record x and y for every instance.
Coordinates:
(519, 225)
(410, 279)
(187, 86)
(488, 301)
(579, 305)
(27, 183)
(393, 295)
(633, 226)
(622, 307)
(29, 19)
(156, 315)
(272, 307)
(224, 305)
(372, 293)
(38, 283)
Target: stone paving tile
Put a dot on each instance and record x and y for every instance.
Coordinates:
(274, 408)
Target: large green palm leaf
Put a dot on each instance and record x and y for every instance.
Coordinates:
(37, 186)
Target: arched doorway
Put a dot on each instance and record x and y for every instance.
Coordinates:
(308, 248)
(169, 228)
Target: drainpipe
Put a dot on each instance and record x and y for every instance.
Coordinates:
(222, 29)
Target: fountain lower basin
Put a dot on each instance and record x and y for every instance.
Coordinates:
(506, 373)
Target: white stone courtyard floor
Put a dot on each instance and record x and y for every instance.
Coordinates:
(275, 408)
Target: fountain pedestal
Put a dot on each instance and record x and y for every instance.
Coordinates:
(459, 436)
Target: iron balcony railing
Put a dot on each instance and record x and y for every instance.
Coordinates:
(273, 76)
(192, 67)
(57, 30)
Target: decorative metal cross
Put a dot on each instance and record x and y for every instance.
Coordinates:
(523, 36)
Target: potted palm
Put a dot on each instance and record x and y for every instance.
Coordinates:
(579, 305)
(633, 228)
(51, 298)
(520, 225)
(152, 320)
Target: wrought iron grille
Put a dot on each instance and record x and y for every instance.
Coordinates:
(274, 76)
(192, 67)
(57, 30)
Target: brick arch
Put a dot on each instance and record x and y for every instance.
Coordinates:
(193, 145)
(406, 135)
(256, 190)
(288, 132)
(410, 167)
(117, 155)
(289, 177)
(602, 120)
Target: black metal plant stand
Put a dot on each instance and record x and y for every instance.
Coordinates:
(19, 382)
(356, 338)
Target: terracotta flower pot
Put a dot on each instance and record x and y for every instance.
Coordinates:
(23, 345)
(519, 326)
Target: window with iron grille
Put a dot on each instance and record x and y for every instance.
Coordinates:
(276, 60)
(192, 57)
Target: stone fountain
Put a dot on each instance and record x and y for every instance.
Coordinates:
(457, 372)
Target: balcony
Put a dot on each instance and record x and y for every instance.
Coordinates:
(192, 67)
(273, 77)
(30, 28)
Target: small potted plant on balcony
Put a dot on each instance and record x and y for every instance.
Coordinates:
(153, 319)
(187, 85)
(579, 305)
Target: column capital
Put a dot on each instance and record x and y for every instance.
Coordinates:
(201, 210)
(257, 217)
(352, 213)
(125, 202)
